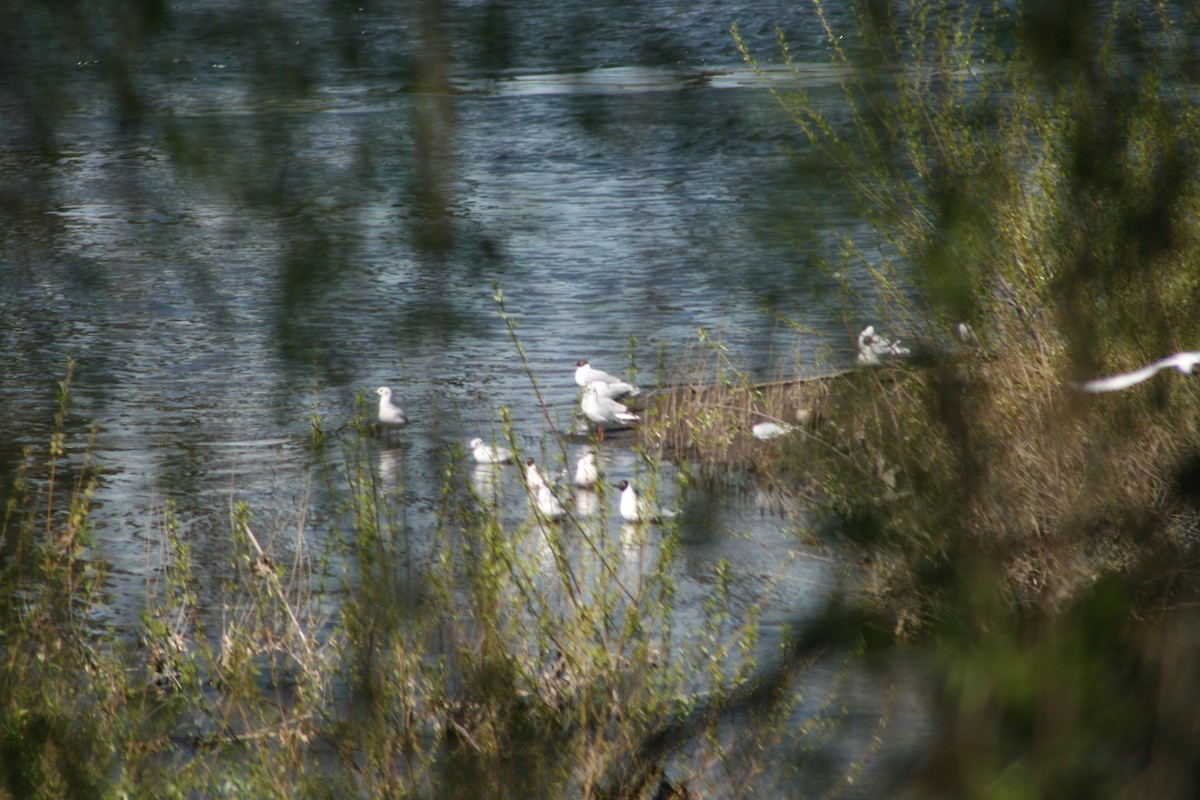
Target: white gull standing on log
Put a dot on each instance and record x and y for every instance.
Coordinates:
(586, 375)
(599, 406)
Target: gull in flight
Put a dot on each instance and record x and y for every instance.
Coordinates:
(586, 375)
(872, 347)
(600, 407)
(486, 454)
(633, 509)
(1188, 363)
(391, 416)
(586, 472)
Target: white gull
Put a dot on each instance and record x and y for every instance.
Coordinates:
(486, 454)
(1188, 363)
(586, 375)
(586, 472)
(548, 505)
(533, 476)
(602, 409)
(633, 509)
(771, 430)
(872, 347)
(391, 416)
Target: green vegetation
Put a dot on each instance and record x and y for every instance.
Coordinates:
(485, 658)
(1049, 199)
(1031, 172)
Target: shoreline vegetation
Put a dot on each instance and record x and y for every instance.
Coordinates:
(1032, 172)
(1035, 546)
(540, 658)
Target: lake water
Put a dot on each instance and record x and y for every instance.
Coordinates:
(282, 213)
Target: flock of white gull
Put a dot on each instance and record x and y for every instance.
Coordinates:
(600, 402)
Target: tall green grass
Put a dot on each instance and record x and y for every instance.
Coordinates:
(1030, 170)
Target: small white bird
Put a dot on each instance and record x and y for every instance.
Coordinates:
(634, 510)
(486, 454)
(872, 347)
(586, 375)
(391, 416)
(602, 409)
(533, 476)
(1188, 363)
(771, 430)
(586, 471)
(548, 505)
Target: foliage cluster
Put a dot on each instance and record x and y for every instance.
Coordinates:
(1030, 172)
(1045, 199)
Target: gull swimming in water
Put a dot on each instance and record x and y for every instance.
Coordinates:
(391, 416)
(486, 454)
(533, 476)
(602, 409)
(872, 347)
(633, 509)
(586, 375)
(1188, 363)
(586, 472)
(548, 505)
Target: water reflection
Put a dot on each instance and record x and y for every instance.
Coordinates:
(390, 469)
(485, 478)
(587, 502)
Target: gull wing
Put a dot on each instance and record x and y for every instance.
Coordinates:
(1123, 381)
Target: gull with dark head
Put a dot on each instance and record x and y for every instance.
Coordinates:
(600, 407)
(634, 509)
(486, 454)
(586, 375)
(1187, 363)
(533, 476)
